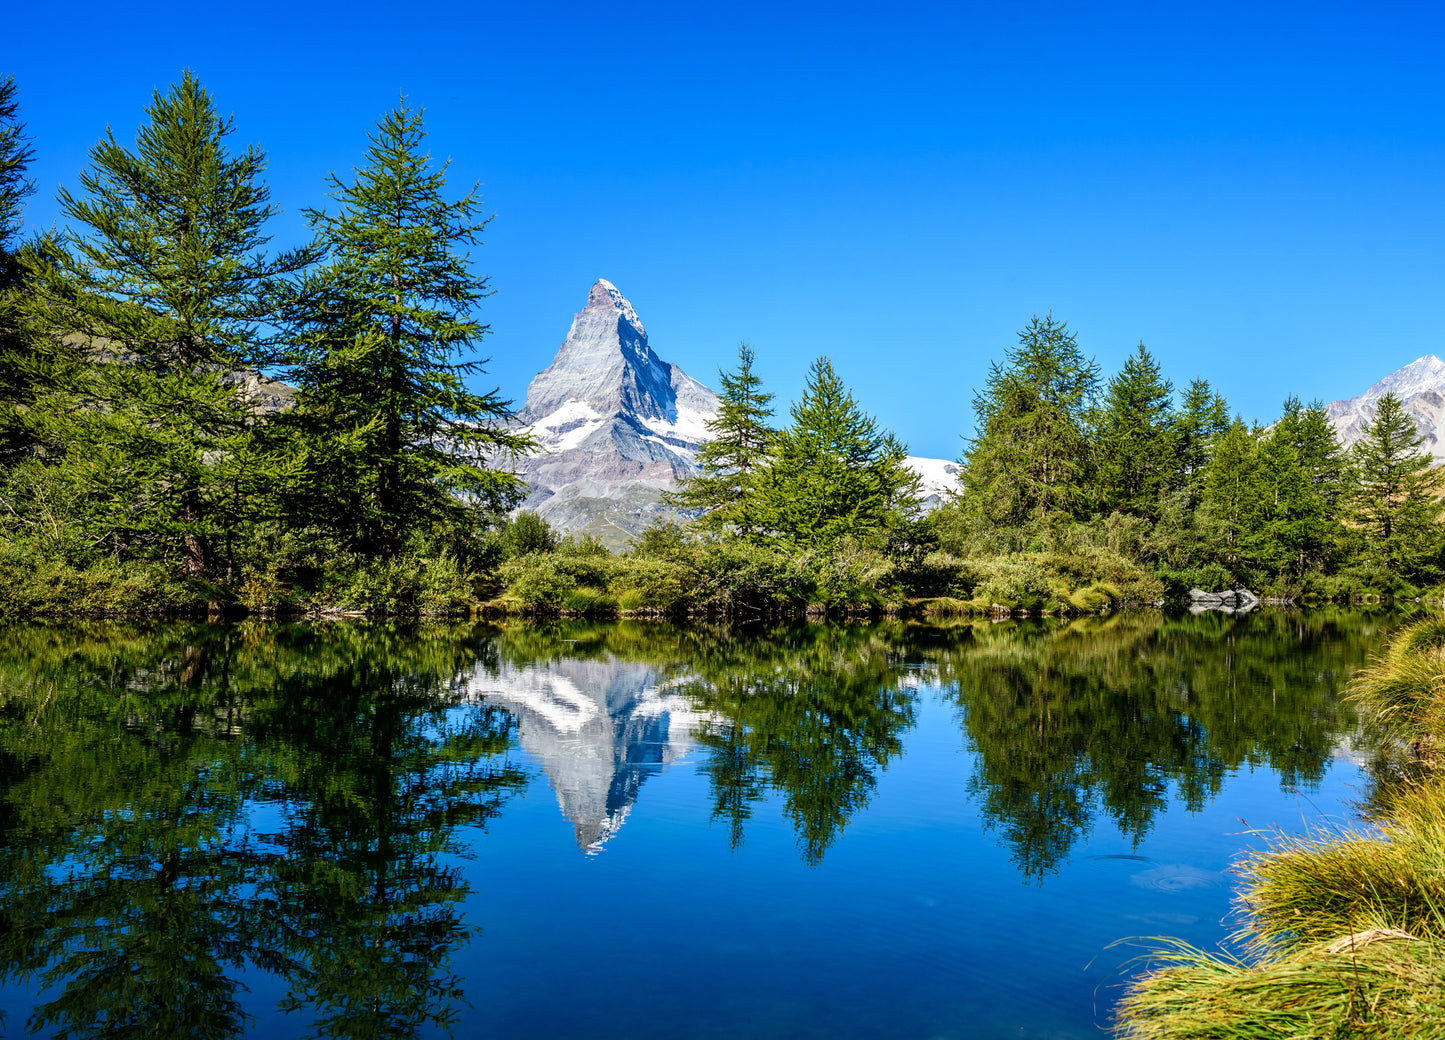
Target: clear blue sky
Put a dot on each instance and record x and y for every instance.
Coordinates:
(1254, 190)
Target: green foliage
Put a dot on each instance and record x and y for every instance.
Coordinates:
(1031, 457)
(139, 321)
(1135, 436)
(16, 155)
(834, 473)
(1396, 501)
(724, 492)
(1202, 416)
(393, 436)
(527, 533)
(538, 580)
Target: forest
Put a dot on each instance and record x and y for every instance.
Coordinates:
(190, 422)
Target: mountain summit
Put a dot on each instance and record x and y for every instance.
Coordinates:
(617, 424)
(1420, 386)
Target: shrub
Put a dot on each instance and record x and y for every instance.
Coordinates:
(649, 583)
(538, 580)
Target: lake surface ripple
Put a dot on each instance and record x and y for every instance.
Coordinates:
(639, 830)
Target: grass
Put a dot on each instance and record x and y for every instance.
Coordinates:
(1344, 934)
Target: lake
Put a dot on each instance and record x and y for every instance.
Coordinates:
(641, 830)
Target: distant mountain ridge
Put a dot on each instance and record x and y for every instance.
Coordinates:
(1420, 386)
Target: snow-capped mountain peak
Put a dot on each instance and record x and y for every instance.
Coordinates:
(1423, 374)
(617, 424)
(1420, 386)
(604, 294)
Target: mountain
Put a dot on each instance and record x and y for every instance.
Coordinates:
(1420, 386)
(617, 425)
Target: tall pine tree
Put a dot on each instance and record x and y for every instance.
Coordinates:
(396, 438)
(724, 492)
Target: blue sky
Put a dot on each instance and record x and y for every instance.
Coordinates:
(1252, 190)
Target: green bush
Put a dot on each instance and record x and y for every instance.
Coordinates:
(648, 583)
(538, 580)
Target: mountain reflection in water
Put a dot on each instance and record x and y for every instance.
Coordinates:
(187, 810)
(599, 728)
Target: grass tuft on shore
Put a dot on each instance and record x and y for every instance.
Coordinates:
(1344, 934)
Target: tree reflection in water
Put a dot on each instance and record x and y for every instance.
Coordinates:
(188, 807)
(138, 882)
(1068, 720)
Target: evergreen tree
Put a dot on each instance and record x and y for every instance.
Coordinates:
(16, 155)
(834, 472)
(1202, 416)
(1031, 458)
(1231, 490)
(1135, 437)
(396, 439)
(1283, 511)
(143, 313)
(723, 492)
(1395, 501)
(1311, 499)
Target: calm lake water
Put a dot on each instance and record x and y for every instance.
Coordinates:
(637, 830)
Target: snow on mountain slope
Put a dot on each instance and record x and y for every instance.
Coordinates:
(616, 425)
(939, 477)
(1420, 386)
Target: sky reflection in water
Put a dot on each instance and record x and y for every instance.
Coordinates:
(806, 831)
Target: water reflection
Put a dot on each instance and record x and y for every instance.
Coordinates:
(598, 727)
(1068, 722)
(188, 809)
(141, 876)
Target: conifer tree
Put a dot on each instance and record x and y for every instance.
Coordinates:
(144, 309)
(1032, 456)
(16, 155)
(723, 492)
(396, 438)
(1202, 416)
(1231, 491)
(1305, 530)
(1135, 437)
(1395, 500)
(834, 472)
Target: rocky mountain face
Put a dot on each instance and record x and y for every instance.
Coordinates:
(1420, 386)
(617, 425)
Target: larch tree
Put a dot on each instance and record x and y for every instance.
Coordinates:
(1134, 436)
(834, 472)
(724, 493)
(1202, 416)
(1231, 491)
(16, 155)
(1395, 499)
(143, 313)
(386, 334)
(1032, 458)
